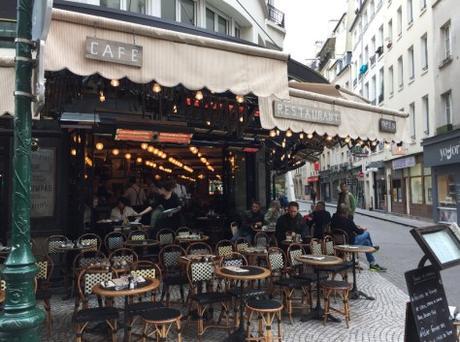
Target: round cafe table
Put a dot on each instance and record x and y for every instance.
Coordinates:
(355, 249)
(317, 262)
(149, 285)
(185, 239)
(253, 273)
(141, 243)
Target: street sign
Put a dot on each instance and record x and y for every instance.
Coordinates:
(41, 19)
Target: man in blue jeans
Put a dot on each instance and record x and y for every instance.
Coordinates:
(358, 236)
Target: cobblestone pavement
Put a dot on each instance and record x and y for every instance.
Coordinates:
(371, 321)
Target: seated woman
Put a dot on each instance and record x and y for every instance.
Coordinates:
(273, 214)
(122, 211)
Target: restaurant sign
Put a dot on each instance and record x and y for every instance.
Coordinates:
(442, 153)
(114, 52)
(403, 163)
(387, 126)
(306, 113)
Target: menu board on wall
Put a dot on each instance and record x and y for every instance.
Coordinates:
(43, 183)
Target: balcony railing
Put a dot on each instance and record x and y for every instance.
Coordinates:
(275, 15)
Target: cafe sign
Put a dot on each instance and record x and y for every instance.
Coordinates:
(113, 52)
(387, 126)
(442, 153)
(306, 113)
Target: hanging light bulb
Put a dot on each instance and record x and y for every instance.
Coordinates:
(277, 132)
(374, 143)
(329, 138)
(386, 146)
(138, 160)
(347, 139)
(282, 157)
(174, 109)
(128, 156)
(241, 119)
(99, 146)
(156, 88)
(283, 144)
(144, 146)
(73, 152)
(199, 95)
(310, 136)
(114, 83)
(239, 98)
(208, 123)
(289, 133)
(150, 149)
(115, 151)
(101, 96)
(289, 156)
(272, 134)
(301, 135)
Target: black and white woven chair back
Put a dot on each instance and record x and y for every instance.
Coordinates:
(166, 239)
(138, 236)
(54, 244)
(293, 253)
(42, 273)
(115, 242)
(316, 248)
(91, 243)
(224, 250)
(276, 260)
(129, 258)
(242, 246)
(261, 241)
(232, 262)
(328, 245)
(93, 278)
(201, 271)
(147, 273)
(171, 258)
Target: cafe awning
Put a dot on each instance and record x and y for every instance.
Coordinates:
(169, 57)
(328, 110)
(7, 84)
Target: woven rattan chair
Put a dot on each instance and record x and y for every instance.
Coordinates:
(198, 248)
(173, 273)
(166, 237)
(224, 248)
(241, 244)
(114, 240)
(93, 241)
(45, 270)
(334, 288)
(267, 311)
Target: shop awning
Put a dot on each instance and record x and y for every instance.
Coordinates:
(170, 58)
(7, 84)
(325, 109)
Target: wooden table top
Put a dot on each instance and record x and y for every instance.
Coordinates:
(262, 273)
(141, 243)
(74, 248)
(313, 260)
(355, 248)
(152, 285)
(2, 296)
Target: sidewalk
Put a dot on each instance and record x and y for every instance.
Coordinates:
(404, 221)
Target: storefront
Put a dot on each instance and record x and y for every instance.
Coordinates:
(410, 186)
(377, 185)
(442, 154)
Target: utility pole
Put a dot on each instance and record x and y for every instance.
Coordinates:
(21, 319)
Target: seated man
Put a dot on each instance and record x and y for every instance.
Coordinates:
(291, 221)
(320, 218)
(357, 235)
(252, 217)
(122, 211)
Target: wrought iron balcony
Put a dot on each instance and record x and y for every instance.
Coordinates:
(275, 15)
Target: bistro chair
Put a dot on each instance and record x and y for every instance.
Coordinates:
(114, 240)
(160, 321)
(203, 294)
(43, 282)
(93, 241)
(173, 273)
(165, 237)
(317, 248)
(122, 260)
(280, 277)
(183, 231)
(53, 243)
(261, 239)
(138, 235)
(199, 248)
(299, 269)
(241, 244)
(224, 248)
(87, 279)
(340, 237)
(267, 310)
(334, 288)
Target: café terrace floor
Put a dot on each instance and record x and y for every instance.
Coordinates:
(371, 321)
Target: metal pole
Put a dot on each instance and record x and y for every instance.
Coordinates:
(20, 319)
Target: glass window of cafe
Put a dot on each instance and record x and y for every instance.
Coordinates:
(447, 209)
(420, 184)
(397, 186)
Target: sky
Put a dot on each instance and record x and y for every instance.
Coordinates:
(308, 21)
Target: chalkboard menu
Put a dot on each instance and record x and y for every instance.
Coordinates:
(427, 319)
(43, 183)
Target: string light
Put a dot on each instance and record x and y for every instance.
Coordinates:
(210, 168)
(241, 119)
(144, 146)
(277, 132)
(301, 135)
(88, 161)
(73, 152)
(115, 151)
(128, 156)
(347, 139)
(199, 95)
(138, 160)
(272, 134)
(310, 136)
(193, 149)
(150, 148)
(208, 123)
(288, 133)
(329, 138)
(239, 98)
(114, 83)
(101, 96)
(283, 144)
(99, 146)
(156, 88)
(374, 143)
(201, 176)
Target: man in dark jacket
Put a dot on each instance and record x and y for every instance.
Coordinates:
(357, 235)
(320, 218)
(255, 216)
(291, 221)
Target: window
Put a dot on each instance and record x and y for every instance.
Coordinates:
(410, 59)
(366, 55)
(137, 6)
(187, 11)
(380, 37)
(399, 21)
(381, 85)
(424, 51)
(110, 3)
(372, 8)
(397, 187)
(400, 73)
(416, 186)
(446, 39)
(422, 5)
(447, 195)
(426, 111)
(428, 185)
(237, 33)
(373, 90)
(390, 33)
(412, 120)
(366, 91)
(168, 9)
(216, 22)
(373, 48)
(447, 105)
(410, 12)
(391, 80)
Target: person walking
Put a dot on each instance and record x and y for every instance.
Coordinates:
(346, 199)
(313, 195)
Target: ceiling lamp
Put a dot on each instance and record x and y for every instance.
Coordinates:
(199, 95)
(283, 144)
(151, 149)
(101, 96)
(99, 146)
(201, 176)
(128, 156)
(115, 83)
(115, 151)
(301, 135)
(310, 136)
(239, 98)
(144, 146)
(272, 134)
(73, 151)
(329, 138)
(156, 88)
(241, 119)
(193, 149)
(289, 133)
(138, 160)
(277, 132)
(347, 139)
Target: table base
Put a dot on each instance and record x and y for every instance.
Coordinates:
(356, 294)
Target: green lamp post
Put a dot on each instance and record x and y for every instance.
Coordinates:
(21, 319)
